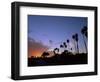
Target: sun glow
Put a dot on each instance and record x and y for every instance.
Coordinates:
(36, 53)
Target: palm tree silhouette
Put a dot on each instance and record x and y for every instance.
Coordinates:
(84, 31)
(65, 46)
(68, 44)
(61, 46)
(76, 38)
(73, 37)
(71, 48)
(56, 51)
(84, 34)
(67, 40)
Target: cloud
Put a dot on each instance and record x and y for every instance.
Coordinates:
(36, 48)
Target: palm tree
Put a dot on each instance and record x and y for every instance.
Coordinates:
(76, 38)
(68, 43)
(67, 40)
(56, 51)
(64, 44)
(71, 48)
(73, 37)
(61, 46)
(84, 33)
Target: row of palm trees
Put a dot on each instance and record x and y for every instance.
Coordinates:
(75, 38)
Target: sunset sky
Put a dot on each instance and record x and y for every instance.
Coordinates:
(47, 32)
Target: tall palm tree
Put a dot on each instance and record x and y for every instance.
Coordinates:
(85, 31)
(76, 38)
(68, 44)
(73, 37)
(61, 46)
(84, 34)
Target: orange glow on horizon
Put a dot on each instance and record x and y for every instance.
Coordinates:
(38, 53)
(35, 53)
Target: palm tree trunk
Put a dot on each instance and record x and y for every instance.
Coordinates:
(77, 48)
(68, 47)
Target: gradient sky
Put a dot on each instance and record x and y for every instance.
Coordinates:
(48, 32)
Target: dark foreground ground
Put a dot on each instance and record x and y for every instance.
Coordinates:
(59, 60)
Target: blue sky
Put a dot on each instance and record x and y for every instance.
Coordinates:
(53, 30)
